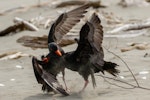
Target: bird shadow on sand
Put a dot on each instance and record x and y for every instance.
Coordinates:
(53, 97)
(72, 96)
(39, 97)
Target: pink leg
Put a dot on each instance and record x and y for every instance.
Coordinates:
(85, 85)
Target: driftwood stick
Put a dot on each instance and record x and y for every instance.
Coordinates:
(126, 3)
(147, 0)
(10, 10)
(13, 55)
(7, 53)
(46, 25)
(128, 27)
(139, 46)
(94, 4)
(127, 35)
(27, 25)
(19, 25)
(41, 42)
(33, 42)
(13, 28)
(22, 8)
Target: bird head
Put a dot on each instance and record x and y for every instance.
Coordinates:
(53, 47)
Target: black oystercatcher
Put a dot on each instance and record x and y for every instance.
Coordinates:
(50, 63)
(88, 58)
(47, 79)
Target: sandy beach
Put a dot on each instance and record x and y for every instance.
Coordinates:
(17, 80)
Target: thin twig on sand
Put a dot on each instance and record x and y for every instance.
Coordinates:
(133, 86)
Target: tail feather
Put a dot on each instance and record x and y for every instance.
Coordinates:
(111, 68)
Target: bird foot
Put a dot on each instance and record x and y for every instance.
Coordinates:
(67, 90)
(81, 91)
(85, 85)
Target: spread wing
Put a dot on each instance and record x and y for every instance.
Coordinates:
(90, 43)
(65, 22)
(48, 80)
(53, 83)
(37, 70)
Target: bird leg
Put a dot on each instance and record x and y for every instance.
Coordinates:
(85, 85)
(63, 78)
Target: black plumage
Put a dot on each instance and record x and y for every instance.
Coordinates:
(48, 80)
(65, 22)
(50, 63)
(88, 58)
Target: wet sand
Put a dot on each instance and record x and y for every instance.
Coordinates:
(19, 83)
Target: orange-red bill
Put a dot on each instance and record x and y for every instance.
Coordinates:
(58, 53)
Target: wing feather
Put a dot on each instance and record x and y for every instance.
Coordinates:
(46, 79)
(90, 42)
(65, 22)
(37, 70)
(96, 38)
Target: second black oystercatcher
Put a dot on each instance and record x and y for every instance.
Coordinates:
(88, 58)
